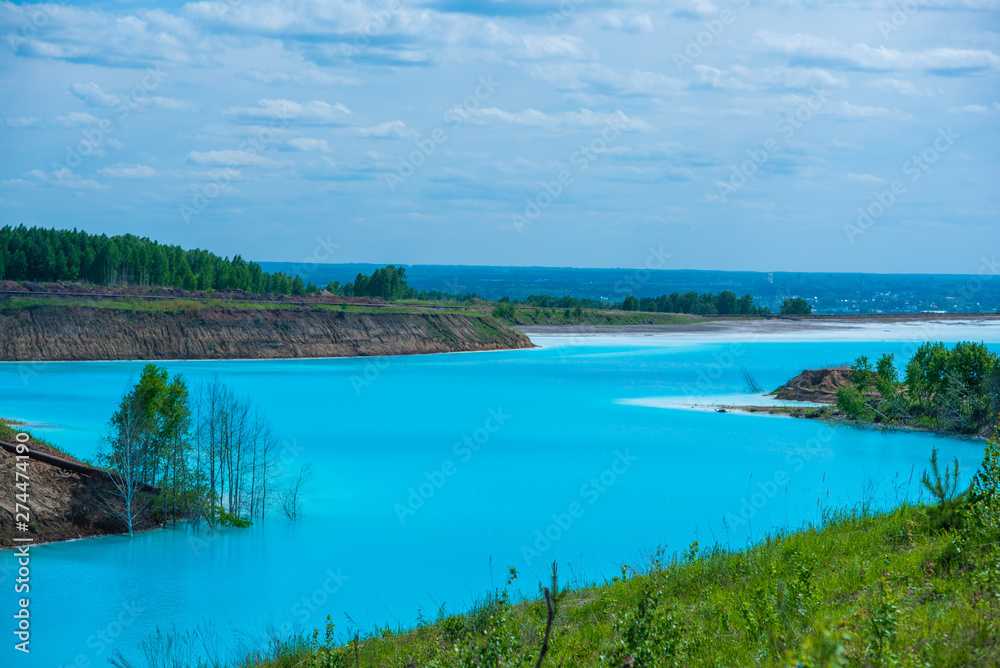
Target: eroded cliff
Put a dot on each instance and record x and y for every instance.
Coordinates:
(69, 332)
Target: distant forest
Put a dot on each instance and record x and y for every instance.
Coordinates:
(36, 254)
(724, 303)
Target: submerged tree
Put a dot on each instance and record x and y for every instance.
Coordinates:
(218, 466)
(125, 496)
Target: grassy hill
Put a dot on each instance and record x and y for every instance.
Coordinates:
(917, 586)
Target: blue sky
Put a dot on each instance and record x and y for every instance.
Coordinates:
(705, 134)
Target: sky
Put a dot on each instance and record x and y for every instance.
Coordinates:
(697, 134)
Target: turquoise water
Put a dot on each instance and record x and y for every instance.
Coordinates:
(434, 474)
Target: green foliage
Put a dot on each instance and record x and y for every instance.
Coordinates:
(978, 540)
(955, 390)
(850, 401)
(504, 311)
(795, 306)
(883, 624)
(648, 630)
(630, 303)
(941, 487)
(389, 283)
(37, 254)
(219, 516)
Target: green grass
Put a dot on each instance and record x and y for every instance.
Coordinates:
(916, 586)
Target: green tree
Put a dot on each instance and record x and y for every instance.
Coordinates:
(726, 303)
(796, 306)
(631, 303)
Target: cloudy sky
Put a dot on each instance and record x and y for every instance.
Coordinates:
(753, 135)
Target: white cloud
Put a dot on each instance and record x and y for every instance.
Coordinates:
(21, 121)
(648, 174)
(77, 119)
(864, 178)
(969, 109)
(62, 177)
(741, 78)
(170, 104)
(229, 158)
(640, 23)
(312, 113)
(699, 8)
(128, 172)
(599, 79)
(890, 85)
(95, 36)
(308, 144)
(849, 110)
(532, 46)
(583, 119)
(308, 77)
(865, 57)
(389, 129)
(95, 96)
(92, 94)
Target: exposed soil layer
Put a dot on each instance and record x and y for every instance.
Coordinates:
(816, 385)
(64, 504)
(65, 333)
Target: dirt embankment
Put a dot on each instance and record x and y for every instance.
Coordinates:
(27, 289)
(63, 333)
(816, 385)
(65, 499)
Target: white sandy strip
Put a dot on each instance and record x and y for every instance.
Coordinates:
(949, 331)
(713, 402)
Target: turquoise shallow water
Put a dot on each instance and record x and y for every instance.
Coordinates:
(436, 473)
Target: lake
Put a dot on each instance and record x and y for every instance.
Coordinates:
(435, 474)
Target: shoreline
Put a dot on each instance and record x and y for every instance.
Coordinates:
(271, 359)
(766, 326)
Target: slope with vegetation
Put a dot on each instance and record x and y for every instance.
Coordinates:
(916, 586)
(66, 495)
(953, 390)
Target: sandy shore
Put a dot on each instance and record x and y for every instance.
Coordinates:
(890, 327)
